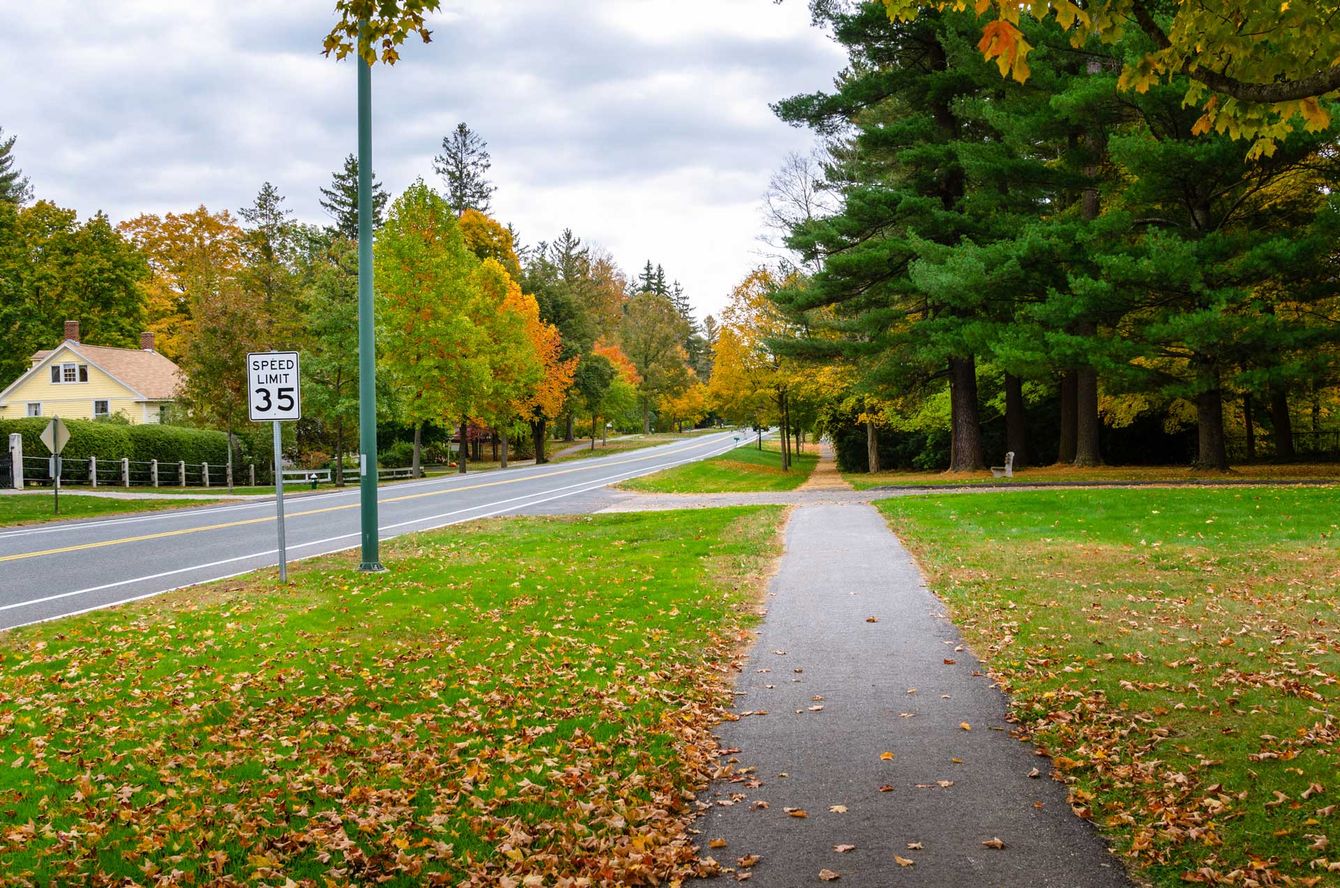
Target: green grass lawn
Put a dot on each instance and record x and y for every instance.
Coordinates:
(741, 470)
(519, 697)
(1283, 472)
(35, 509)
(1176, 652)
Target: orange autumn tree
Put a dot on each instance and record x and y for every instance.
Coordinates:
(545, 401)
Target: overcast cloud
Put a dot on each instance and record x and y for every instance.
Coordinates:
(641, 124)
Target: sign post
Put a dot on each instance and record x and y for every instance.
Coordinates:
(274, 394)
(55, 436)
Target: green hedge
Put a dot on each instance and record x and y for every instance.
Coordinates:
(110, 441)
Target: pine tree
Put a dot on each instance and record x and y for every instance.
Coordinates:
(14, 187)
(340, 200)
(464, 166)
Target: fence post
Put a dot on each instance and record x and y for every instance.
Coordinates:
(204, 472)
(251, 474)
(16, 454)
(125, 471)
(228, 475)
(93, 471)
(153, 471)
(181, 473)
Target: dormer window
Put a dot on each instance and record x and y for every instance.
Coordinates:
(69, 373)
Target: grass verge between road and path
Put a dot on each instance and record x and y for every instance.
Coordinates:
(621, 444)
(1044, 474)
(743, 469)
(1175, 651)
(516, 697)
(30, 508)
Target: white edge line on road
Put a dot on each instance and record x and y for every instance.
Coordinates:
(446, 481)
(586, 486)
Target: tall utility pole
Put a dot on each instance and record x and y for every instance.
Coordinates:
(367, 346)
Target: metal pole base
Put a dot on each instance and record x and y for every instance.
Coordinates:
(371, 567)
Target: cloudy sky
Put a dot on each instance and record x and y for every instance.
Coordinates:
(641, 124)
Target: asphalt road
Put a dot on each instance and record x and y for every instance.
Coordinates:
(54, 570)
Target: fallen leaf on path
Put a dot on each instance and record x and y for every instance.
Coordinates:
(827, 875)
(913, 846)
(886, 756)
(1035, 773)
(796, 812)
(886, 788)
(872, 619)
(717, 843)
(950, 661)
(837, 809)
(903, 861)
(994, 843)
(749, 860)
(965, 726)
(843, 849)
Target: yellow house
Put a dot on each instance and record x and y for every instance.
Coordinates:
(78, 381)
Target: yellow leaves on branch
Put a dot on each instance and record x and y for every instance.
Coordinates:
(1005, 43)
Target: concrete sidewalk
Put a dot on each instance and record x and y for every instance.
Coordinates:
(880, 726)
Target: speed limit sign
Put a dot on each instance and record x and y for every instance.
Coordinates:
(273, 387)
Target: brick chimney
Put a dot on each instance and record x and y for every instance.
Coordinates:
(72, 331)
(147, 341)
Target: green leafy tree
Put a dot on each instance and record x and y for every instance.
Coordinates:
(330, 352)
(591, 385)
(652, 336)
(269, 257)
(53, 269)
(434, 334)
(464, 167)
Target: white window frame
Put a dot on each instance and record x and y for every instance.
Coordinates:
(68, 373)
(31, 405)
(107, 405)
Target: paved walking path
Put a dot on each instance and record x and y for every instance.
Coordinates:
(841, 692)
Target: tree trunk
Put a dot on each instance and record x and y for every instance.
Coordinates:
(1249, 422)
(1065, 454)
(1281, 423)
(1087, 423)
(871, 446)
(230, 459)
(538, 438)
(786, 430)
(462, 452)
(506, 442)
(646, 416)
(1211, 452)
(594, 418)
(567, 427)
(494, 442)
(417, 459)
(339, 452)
(1016, 424)
(966, 428)
(760, 438)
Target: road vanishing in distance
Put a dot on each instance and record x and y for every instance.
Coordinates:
(55, 570)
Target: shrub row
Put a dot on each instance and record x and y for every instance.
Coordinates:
(139, 443)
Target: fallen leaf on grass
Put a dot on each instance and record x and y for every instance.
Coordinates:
(827, 875)
(994, 843)
(903, 861)
(1312, 789)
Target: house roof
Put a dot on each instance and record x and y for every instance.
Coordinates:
(148, 374)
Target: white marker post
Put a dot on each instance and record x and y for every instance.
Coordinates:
(274, 394)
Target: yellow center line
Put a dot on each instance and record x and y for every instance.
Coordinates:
(165, 534)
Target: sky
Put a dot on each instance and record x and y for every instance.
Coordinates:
(643, 125)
